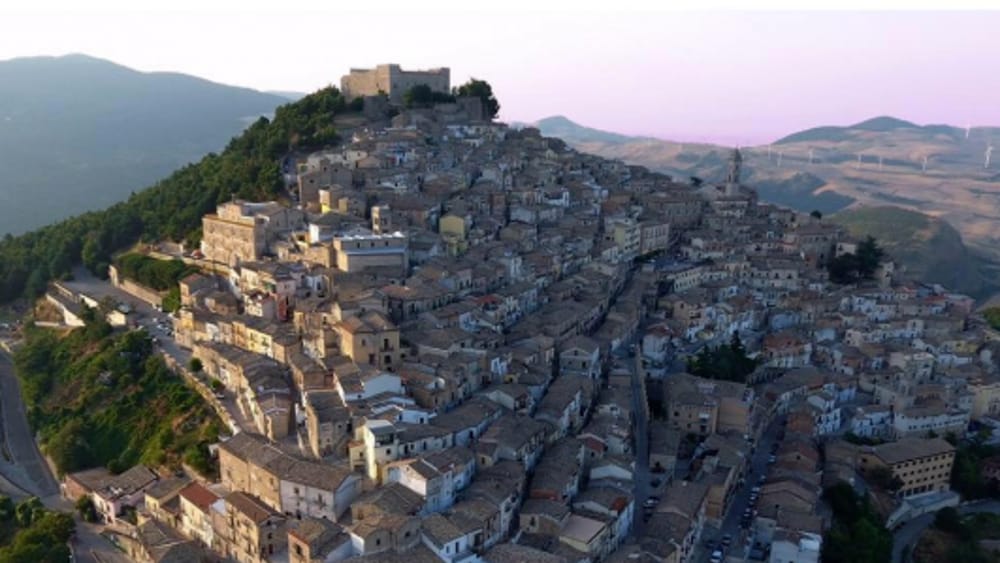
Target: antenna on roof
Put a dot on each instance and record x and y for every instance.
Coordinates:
(989, 153)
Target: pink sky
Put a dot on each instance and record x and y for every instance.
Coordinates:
(736, 78)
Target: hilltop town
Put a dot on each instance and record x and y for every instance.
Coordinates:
(459, 341)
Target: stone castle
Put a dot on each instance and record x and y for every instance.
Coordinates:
(392, 80)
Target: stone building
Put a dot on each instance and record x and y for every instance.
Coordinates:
(392, 80)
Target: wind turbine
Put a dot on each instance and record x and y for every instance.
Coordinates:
(810, 156)
(989, 153)
(769, 153)
(968, 129)
(923, 169)
(880, 163)
(779, 158)
(858, 165)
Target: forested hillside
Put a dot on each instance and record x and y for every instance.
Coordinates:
(249, 167)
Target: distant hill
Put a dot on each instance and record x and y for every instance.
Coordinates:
(572, 132)
(929, 248)
(79, 133)
(883, 124)
(293, 96)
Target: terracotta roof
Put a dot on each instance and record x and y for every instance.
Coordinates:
(199, 496)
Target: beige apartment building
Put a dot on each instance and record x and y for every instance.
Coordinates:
(923, 465)
(371, 339)
(239, 231)
(392, 80)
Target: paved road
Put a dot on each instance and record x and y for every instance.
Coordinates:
(89, 546)
(642, 475)
(909, 533)
(741, 500)
(26, 468)
(144, 315)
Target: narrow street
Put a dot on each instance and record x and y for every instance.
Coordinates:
(741, 542)
(642, 475)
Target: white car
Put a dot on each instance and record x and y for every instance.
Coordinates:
(716, 557)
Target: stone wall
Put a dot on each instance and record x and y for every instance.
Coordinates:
(139, 291)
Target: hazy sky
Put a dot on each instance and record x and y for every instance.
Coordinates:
(722, 76)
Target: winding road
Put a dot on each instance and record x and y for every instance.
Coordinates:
(909, 533)
(21, 463)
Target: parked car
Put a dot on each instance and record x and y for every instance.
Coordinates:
(716, 557)
(726, 540)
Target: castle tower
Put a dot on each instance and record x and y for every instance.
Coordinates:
(733, 179)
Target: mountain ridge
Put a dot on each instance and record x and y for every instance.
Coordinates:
(80, 133)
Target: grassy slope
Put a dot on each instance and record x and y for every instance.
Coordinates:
(99, 399)
(930, 248)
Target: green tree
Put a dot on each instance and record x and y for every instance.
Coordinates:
(195, 365)
(418, 96)
(884, 478)
(992, 316)
(816, 214)
(949, 520)
(843, 269)
(869, 256)
(728, 362)
(856, 534)
(43, 541)
(85, 508)
(69, 449)
(172, 300)
(28, 511)
(6, 508)
(482, 90)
